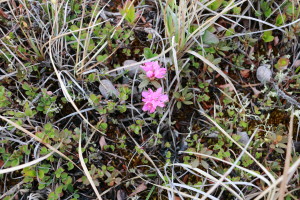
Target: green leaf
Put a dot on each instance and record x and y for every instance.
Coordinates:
(122, 108)
(178, 104)
(204, 164)
(237, 10)
(188, 96)
(148, 53)
(156, 84)
(210, 38)
(29, 172)
(290, 9)
(230, 112)
(267, 36)
(92, 77)
(280, 19)
(103, 126)
(195, 163)
(176, 95)
(266, 8)
(243, 124)
(48, 127)
(278, 150)
(229, 32)
(225, 48)
(28, 112)
(110, 168)
(128, 12)
(74, 27)
(41, 174)
(25, 86)
(101, 58)
(144, 83)
(94, 98)
(188, 102)
(137, 130)
(216, 4)
(70, 166)
(58, 190)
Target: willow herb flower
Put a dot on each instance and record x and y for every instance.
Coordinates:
(154, 99)
(153, 70)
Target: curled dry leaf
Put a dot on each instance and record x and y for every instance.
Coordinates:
(296, 63)
(102, 142)
(107, 89)
(166, 61)
(139, 189)
(276, 40)
(244, 137)
(121, 195)
(133, 69)
(263, 74)
(245, 73)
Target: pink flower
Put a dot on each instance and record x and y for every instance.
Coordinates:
(153, 70)
(154, 99)
(49, 92)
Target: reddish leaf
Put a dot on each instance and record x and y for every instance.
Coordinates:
(185, 178)
(1, 163)
(226, 86)
(276, 40)
(102, 142)
(245, 73)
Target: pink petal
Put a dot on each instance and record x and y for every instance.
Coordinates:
(155, 65)
(160, 73)
(158, 91)
(164, 98)
(152, 109)
(145, 94)
(150, 91)
(150, 74)
(147, 67)
(153, 99)
(145, 107)
(161, 104)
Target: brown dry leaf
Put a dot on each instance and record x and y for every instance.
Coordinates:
(245, 73)
(102, 142)
(177, 198)
(229, 86)
(3, 14)
(276, 40)
(1, 163)
(185, 178)
(139, 189)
